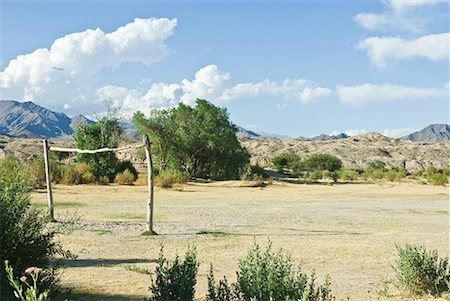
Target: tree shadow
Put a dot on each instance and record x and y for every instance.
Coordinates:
(82, 263)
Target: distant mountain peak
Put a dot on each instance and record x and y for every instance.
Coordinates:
(324, 137)
(432, 133)
(243, 133)
(29, 120)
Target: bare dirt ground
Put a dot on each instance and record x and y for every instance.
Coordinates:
(348, 231)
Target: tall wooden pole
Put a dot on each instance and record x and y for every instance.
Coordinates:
(148, 155)
(49, 181)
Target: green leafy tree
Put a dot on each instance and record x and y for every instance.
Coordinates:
(377, 164)
(104, 133)
(200, 140)
(323, 162)
(161, 127)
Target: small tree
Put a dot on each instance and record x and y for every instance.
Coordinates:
(323, 162)
(285, 160)
(104, 133)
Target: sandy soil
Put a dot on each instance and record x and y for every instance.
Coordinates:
(348, 231)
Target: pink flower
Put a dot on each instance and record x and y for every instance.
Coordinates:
(23, 279)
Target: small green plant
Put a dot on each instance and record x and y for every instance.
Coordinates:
(176, 280)
(26, 291)
(421, 271)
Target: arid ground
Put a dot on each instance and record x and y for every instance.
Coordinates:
(348, 231)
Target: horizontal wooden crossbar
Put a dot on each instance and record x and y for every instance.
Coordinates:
(93, 151)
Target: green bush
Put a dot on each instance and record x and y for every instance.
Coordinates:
(348, 175)
(323, 162)
(396, 174)
(285, 160)
(24, 238)
(176, 280)
(374, 174)
(421, 271)
(125, 178)
(269, 275)
(80, 173)
(438, 179)
(315, 175)
(168, 178)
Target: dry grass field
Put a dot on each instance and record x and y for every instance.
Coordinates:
(348, 231)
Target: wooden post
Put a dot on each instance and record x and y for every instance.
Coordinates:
(148, 155)
(49, 181)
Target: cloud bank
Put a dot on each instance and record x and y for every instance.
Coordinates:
(66, 71)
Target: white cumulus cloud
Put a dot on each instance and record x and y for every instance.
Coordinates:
(212, 84)
(434, 47)
(64, 74)
(372, 93)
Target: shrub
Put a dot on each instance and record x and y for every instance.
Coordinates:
(80, 173)
(168, 178)
(24, 239)
(323, 162)
(316, 175)
(37, 171)
(396, 174)
(268, 276)
(176, 280)
(124, 165)
(374, 174)
(125, 178)
(421, 271)
(348, 175)
(377, 164)
(438, 179)
(285, 160)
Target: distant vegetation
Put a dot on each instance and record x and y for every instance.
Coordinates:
(325, 166)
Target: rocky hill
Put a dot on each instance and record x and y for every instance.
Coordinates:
(433, 132)
(356, 151)
(29, 120)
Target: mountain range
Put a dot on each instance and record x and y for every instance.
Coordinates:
(29, 120)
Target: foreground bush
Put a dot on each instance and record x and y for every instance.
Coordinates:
(168, 178)
(176, 280)
(267, 275)
(421, 271)
(24, 239)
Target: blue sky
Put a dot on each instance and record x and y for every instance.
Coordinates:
(298, 68)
